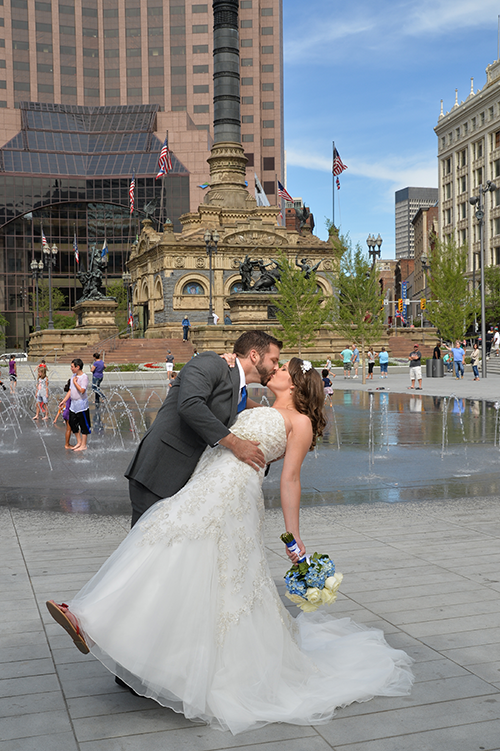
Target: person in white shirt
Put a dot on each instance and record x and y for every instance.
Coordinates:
(79, 415)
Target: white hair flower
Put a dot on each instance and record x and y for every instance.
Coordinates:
(306, 365)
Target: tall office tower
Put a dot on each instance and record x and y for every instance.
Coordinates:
(408, 202)
(469, 155)
(110, 52)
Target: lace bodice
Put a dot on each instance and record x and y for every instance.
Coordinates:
(263, 424)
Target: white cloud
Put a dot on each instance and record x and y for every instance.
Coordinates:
(401, 172)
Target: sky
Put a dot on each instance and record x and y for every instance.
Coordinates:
(370, 76)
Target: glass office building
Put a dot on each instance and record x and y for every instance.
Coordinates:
(68, 171)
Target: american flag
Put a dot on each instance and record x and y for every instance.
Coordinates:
(337, 182)
(164, 160)
(44, 241)
(338, 165)
(283, 193)
(75, 248)
(130, 317)
(131, 193)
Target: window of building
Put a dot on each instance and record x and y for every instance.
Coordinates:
(91, 72)
(200, 28)
(200, 49)
(268, 49)
(68, 90)
(18, 45)
(3, 103)
(200, 89)
(200, 8)
(135, 32)
(88, 32)
(17, 24)
(178, 70)
(19, 3)
(45, 88)
(112, 53)
(132, 12)
(462, 184)
(246, 4)
(496, 225)
(87, 52)
(457, 132)
(268, 68)
(466, 128)
(177, 30)
(247, 137)
(158, 71)
(443, 142)
(447, 190)
(463, 236)
(482, 118)
(447, 216)
(91, 92)
(193, 288)
(200, 68)
(268, 87)
(199, 108)
(491, 113)
(247, 81)
(134, 52)
(267, 105)
(91, 12)
(177, 10)
(474, 123)
(44, 7)
(246, 42)
(18, 65)
(155, 10)
(269, 187)
(66, 50)
(268, 141)
(247, 118)
(268, 163)
(447, 166)
(134, 91)
(110, 33)
(497, 256)
(3, 64)
(3, 84)
(178, 89)
(156, 51)
(47, 48)
(478, 149)
(134, 72)
(496, 197)
(247, 99)
(463, 210)
(45, 68)
(156, 91)
(68, 70)
(246, 23)
(478, 177)
(267, 31)
(155, 31)
(112, 93)
(266, 12)
(247, 62)
(112, 72)
(250, 158)
(109, 12)
(462, 158)
(268, 123)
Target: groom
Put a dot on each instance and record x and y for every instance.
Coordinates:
(202, 404)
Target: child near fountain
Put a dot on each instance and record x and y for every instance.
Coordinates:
(79, 415)
(65, 415)
(42, 394)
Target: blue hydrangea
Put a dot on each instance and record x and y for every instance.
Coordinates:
(328, 567)
(295, 585)
(315, 577)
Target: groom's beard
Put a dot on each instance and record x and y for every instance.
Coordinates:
(265, 373)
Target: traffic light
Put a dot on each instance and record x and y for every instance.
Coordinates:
(400, 304)
(423, 302)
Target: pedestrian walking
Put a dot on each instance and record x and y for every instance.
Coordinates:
(327, 385)
(346, 356)
(458, 354)
(169, 363)
(415, 360)
(383, 360)
(475, 356)
(79, 414)
(496, 342)
(371, 355)
(42, 394)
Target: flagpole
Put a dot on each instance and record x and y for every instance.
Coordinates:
(162, 212)
(333, 186)
(74, 258)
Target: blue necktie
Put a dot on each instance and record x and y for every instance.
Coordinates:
(243, 401)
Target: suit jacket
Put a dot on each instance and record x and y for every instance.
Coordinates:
(201, 406)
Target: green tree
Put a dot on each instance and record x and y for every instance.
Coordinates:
(58, 301)
(453, 305)
(117, 290)
(492, 299)
(357, 305)
(3, 322)
(301, 308)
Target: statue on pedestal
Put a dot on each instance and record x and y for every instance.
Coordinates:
(306, 269)
(91, 280)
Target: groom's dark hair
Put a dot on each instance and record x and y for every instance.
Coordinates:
(257, 340)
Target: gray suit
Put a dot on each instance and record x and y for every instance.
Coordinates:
(200, 407)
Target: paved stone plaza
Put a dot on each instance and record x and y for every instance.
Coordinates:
(425, 572)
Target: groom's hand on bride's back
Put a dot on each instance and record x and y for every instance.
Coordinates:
(246, 451)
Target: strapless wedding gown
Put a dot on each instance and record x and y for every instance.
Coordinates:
(186, 612)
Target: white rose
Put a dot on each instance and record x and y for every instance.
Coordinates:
(309, 607)
(327, 596)
(313, 595)
(333, 582)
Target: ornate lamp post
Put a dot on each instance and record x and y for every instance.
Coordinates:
(479, 213)
(374, 247)
(211, 240)
(49, 259)
(127, 282)
(37, 273)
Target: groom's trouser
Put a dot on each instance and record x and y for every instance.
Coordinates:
(141, 499)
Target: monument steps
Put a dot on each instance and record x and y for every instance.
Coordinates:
(402, 346)
(134, 351)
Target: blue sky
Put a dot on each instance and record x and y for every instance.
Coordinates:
(370, 76)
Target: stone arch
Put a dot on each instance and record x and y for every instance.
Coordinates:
(158, 301)
(229, 283)
(191, 276)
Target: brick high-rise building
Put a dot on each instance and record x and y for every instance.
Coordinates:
(112, 52)
(408, 202)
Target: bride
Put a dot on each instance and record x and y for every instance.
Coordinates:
(186, 612)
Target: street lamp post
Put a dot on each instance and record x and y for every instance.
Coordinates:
(476, 201)
(374, 247)
(49, 259)
(211, 240)
(425, 268)
(127, 281)
(37, 273)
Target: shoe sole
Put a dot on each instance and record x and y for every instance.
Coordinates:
(60, 618)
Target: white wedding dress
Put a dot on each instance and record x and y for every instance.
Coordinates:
(187, 613)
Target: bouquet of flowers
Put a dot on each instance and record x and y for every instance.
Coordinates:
(312, 581)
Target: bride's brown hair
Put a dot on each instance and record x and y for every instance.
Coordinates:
(308, 395)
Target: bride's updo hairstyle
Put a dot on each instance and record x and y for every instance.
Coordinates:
(308, 395)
